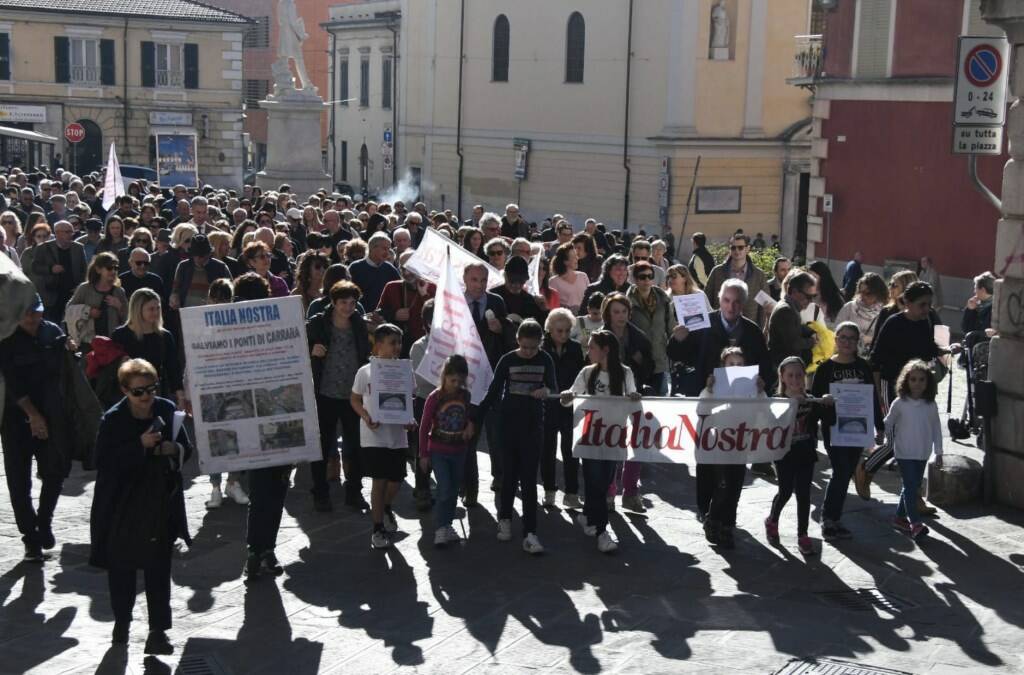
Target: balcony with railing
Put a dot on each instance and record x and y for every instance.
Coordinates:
(170, 78)
(808, 60)
(85, 74)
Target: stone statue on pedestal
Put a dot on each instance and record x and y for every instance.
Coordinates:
(291, 34)
(720, 29)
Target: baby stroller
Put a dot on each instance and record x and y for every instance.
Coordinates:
(974, 359)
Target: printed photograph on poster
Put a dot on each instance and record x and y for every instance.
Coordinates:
(176, 160)
(855, 415)
(284, 400)
(391, 388)
(251, 384)
(228, 405)
(692, 311)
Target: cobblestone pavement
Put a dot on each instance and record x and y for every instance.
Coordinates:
(665, 603)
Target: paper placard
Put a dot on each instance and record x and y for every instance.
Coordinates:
(692, 311)
(855, 415)
(736, 382)
(391, 387)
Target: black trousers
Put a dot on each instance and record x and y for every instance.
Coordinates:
(520, 456)
(157, 578)
(728, 485)
(329, 412)
(795, 474)
(558, 433)
(598, 475)
(267, 490)
(19, 449)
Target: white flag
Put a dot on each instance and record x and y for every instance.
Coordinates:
(533, 285)
(113, 185)
(453, 331)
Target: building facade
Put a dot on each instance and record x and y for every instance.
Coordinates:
(883, 115)
(600, 109)
(126, 70)
(364, 43)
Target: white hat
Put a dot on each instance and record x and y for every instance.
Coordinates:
(294, 213)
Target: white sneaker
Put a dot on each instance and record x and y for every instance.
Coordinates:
(215, 500)
(380, 539)
(549, 498)
(390, 523)
(451, 535)
(441, 537)
(236, 494)
(588, 529)
(532, 545)
(504, 530)
(606, 543)
(571, 501)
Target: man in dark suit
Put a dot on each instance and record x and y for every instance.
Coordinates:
(60, 264)
(491, 319)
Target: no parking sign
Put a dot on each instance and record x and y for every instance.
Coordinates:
(979, 104)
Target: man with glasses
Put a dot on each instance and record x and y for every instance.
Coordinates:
(739, 266)
(563, 231)
(60, 265)
(787, 334)
(138, 274)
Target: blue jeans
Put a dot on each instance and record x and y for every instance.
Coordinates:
(844, 462)
(448, 474)
(912, 472)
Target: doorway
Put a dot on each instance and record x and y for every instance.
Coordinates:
(87, 156)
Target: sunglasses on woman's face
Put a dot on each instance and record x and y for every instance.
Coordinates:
(644, 277)
(139, 392)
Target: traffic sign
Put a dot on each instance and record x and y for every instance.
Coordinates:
(74, 132)
(980, 98)
(977, 140)
(387, 135)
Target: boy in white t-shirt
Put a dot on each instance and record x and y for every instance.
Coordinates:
(383, 446)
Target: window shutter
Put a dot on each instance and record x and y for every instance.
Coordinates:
(148, 61)
(5, 56)
(62, 59)
(191, 65)
(499, 49)
(873, 39)
(107, 62)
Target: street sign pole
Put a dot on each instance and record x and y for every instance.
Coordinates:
(979, 103)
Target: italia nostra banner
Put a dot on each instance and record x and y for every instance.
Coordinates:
(682, 430)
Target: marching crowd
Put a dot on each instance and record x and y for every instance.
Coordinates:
(103, 334)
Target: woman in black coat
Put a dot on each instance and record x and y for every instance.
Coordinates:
(138, 508)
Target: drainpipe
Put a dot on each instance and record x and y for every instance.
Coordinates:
(334, 107)
(625, 126)
(458, 123)
(394, 102)
(124, 103)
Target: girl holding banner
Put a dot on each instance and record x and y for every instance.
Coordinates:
(606, 376)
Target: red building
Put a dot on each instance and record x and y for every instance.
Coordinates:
(882, 76)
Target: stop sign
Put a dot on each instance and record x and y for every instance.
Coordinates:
(74, 132)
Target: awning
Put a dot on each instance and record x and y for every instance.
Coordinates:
(27, 135)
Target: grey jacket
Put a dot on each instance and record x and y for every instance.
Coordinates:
(42, 263)
(657, 327)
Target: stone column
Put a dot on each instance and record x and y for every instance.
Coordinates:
(1006, 361)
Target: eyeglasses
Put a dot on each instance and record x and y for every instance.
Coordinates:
(495, 253)
(738, 248)
(644, 277)
(139, 392)
(112, 268)
(261, 256)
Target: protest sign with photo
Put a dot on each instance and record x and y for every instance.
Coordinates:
(250, 384)
(391, 387)
(692, 311)
(682, 430)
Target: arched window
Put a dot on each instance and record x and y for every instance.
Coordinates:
(499, 61)
(575, 43)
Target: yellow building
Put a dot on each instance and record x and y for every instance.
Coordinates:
(702, 78)
(126, 70)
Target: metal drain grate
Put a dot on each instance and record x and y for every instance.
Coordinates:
(833, 667)
(865, 600)
(199, 665)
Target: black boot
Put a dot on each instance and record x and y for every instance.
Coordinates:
(157, 643)
(120, 635)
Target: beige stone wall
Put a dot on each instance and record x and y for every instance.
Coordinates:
(219, 96)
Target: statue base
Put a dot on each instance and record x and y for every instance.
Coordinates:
(294, 149)
(719, 53)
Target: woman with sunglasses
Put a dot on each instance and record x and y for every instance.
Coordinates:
(257, 256)
(102, 292)
(138, 508)
(309, 279)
